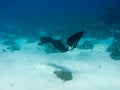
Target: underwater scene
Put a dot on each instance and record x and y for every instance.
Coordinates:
(59, 45)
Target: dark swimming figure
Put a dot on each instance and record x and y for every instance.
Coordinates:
(72, 42)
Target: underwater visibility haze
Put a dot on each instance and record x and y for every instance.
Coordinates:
(64, 44)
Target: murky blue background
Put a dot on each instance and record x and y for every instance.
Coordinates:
(56, 16)
(38, 10)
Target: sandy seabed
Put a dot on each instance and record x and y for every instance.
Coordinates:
(29, 69)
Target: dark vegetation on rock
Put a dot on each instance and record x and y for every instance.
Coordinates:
(117, 35)
(8, 42)
(14, 47)
(11, 45)
(114, 50)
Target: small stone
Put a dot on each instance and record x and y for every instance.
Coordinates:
(12, 85)
(100, 66)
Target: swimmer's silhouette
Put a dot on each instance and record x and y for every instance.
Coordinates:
(72, 42)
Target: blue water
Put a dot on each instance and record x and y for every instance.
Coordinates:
(58, 17)
(30, 11)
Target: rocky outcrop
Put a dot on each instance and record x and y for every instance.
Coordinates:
(114, 50)
(11, 45)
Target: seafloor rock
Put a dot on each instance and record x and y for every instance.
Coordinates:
(117, 35)
(14, 47)
(86, 45)
(9, 42)
(64, 75)
(114, 50)
(11, 45)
